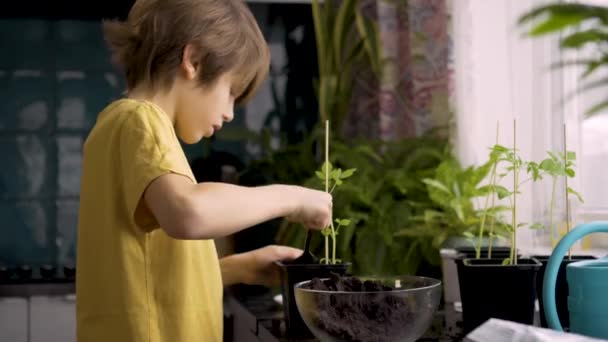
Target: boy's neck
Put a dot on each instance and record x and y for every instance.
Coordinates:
(164, 100)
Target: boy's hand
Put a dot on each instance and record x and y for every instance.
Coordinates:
(313, 208)
(257, 267)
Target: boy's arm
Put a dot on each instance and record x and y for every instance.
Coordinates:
(256, 267)
(211, 210)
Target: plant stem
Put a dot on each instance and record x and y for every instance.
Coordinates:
(566, 185)
(515, 188)
(554, 186)
(327, 183)
(491, 234)
(333, 241)
(327, 249)
(491, 237)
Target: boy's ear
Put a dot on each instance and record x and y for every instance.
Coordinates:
(190, 63)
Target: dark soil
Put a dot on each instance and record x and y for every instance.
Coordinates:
(362, 317)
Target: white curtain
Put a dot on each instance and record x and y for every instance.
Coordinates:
(502, 75)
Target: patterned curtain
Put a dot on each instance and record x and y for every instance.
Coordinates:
(412, 94)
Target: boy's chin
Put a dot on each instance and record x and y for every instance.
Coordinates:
(191, 139)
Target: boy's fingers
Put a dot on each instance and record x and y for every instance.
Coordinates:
(287, 253)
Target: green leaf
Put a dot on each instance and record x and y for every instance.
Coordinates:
(342, 26)
(555, 23)
(320, 175)
(502, 192)
(537, 226)
(506, 262)
(369, 32)
(437, 185)
(578, 39)
(355, 53)
(335, 174)
(469, 235)
(575, 193)
(321, 39)
(343, 222)
(597, 108)
(571, 155)
(570, 172)
(326, 166)
(347, 173)
(457, 207)
(547, 165)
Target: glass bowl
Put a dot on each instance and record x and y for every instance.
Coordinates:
(401, 315)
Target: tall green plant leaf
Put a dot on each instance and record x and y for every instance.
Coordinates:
(342, 27)
(321, 38)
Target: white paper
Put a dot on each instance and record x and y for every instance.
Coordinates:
(496, 330)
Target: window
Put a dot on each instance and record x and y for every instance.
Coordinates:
(502, 76)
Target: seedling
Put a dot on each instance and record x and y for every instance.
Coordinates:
(332, 178)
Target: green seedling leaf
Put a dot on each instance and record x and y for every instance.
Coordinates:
(320, 175)
(335, 174)
(575, 193)
(506, 261)
(326, 166)
(326, 231)
(523, 224)
(570, 172)
(347, 173)
(571, 155)
(469, 235)
(343, 222)
(499, 237)
(502, 192)
(553, 155)
(537, 226)
(500, 148)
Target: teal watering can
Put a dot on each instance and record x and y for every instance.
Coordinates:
(587, 283)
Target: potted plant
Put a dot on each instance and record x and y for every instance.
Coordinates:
(555, 167)
(513, 277)
(558, 165)
(309, 266)
(453, 191)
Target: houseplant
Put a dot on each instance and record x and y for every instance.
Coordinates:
(512, 277)
(453, 191)
(581, 26)
(380, 199)
(306, 268)
(558, 166)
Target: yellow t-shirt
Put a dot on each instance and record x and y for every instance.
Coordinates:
(134, 283)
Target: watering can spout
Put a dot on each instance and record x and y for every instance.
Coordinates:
(588, 286)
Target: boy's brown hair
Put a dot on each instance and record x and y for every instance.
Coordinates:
(149, 46)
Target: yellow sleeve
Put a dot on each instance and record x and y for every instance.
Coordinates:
(148, 149)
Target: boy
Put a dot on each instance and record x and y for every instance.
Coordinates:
(147, 266)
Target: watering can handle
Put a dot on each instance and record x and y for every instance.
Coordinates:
(553, 267)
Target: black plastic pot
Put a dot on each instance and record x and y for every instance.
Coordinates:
(292, 274)
(497, 252)
(561, 288)
(489, 289)
(469, 253)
